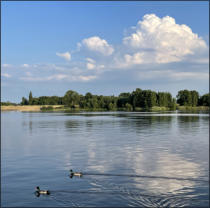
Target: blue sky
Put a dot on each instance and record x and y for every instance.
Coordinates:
(103, 47)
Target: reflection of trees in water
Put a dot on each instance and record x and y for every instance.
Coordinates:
(89, 124)
(73, 125)
(188, 122)
(146, 122)
(30, 127)
(185, 119)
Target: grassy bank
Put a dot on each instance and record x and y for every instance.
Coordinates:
(157, 108)
(46, 108)
(190, 108)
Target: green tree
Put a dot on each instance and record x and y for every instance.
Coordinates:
(24, 101)
(184, 97)
(101, 101)
(137, 98)
(123, 99)
(94, 102)
(91, 101)
(110, 106)
(30, 98)
(71, 98)
(172, 105)
(128, 107)
(82, 101)
(88, 95)
(35, 101)
(204, 100)
(162, 99)
(149, 98)
(195, 97)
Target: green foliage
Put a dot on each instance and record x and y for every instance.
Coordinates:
(150, 98)
(24, 101)
(204, 100)
(143, 98)
(137, 100)
(187, 98)
(184, 97)
(172, 104)
(162, 99)
(128, 107)
(7, 103)
(71, 98)
(194, 97)
(46, 108)
(123, 99)
(30, 98)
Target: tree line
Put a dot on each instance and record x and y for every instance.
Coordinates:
(130, 101)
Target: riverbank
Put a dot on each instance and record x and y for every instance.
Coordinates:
(29, 107)
(190, 108)
(41, 108)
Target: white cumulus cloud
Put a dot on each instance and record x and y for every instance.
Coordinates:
(57, 77)
(172, 75)
(6, 75)
(65, 55)
(25, 65)
(90, 60)
(90, 63)
(136, 58)
(90, 66)
(97, 44)
(6, 65)
(87, 78)
(164, 39)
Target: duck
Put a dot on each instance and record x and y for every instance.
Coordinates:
(44, 192)
(79, 174)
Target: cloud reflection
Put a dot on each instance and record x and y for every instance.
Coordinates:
(168, 165)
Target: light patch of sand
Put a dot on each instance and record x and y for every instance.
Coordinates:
(25, 107)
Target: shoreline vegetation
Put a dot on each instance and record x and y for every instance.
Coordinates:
(138, 100)
(54, 108)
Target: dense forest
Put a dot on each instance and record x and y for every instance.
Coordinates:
(130, 101)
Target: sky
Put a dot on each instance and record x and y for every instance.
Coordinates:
(105, 48)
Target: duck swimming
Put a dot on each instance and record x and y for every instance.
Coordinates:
(44, 192)
(79, 174)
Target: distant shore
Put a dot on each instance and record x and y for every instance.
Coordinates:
(43, 108)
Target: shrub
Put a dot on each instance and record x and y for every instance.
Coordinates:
(46, 108)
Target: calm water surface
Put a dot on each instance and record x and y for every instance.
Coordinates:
(39, 149)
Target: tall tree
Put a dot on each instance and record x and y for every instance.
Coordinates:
(123, 99)
(137, 98)
(24, 101)
(149, 99)
(195, 97)
(205, 100)
(184, 97)
(161, 99)
(71, 98)
(30, 98)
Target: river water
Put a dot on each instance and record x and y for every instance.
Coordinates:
(128, 159)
